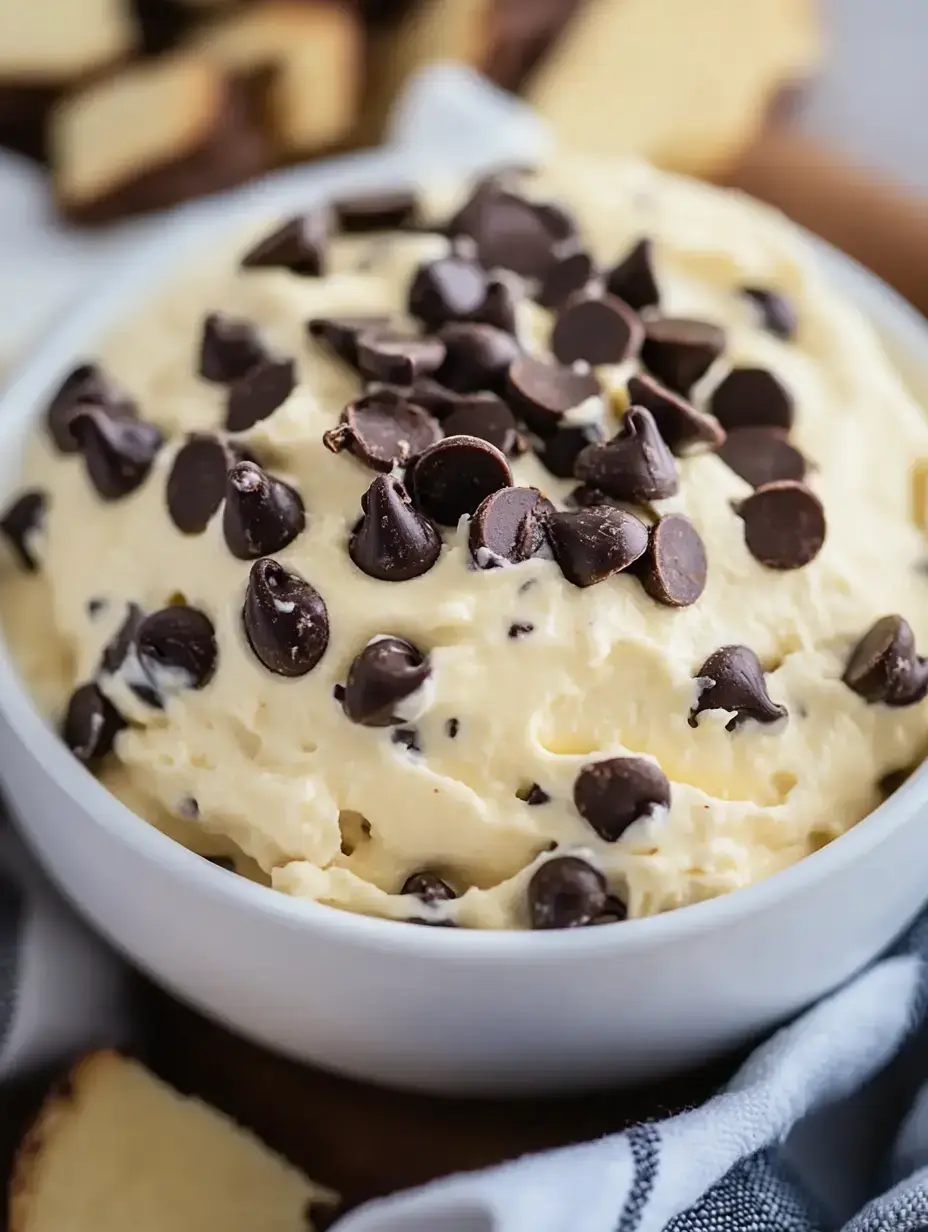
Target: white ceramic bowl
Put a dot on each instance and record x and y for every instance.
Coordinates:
(434, 1008)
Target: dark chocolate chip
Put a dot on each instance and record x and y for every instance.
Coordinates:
(632, 279)
(259, 393)
(86, 385)
(752, 398)
(507, 527)
(384, 675)
(383, 430)
(559, 452)
(784, 525)
(498, 308)
(542, 393)
(434, 397)
(452, 727)
(451, 478)
(90, 724)
(597, 330)
(478, 356)
(386, 211)
(285, 619)
(230, 347)
(428, 887)
(387, 355)
(298, 246)
(568, 275)
(635, 465)
(777, 314)
(733, 679)
(197, 482)
(762, 455)
(673, 570)
(21, 522)
(592, 544)
(519, 629)
(96, 607)
(533, 795)
(586, 497)
(341, 334)
(485, 416)
(614, 911)
(262, 514)
(393, 541)
(610, 795)
(115, 651)
(884, 665)
(511, 232)
(177, 648)
(684, 429)
(679, 351)
(407, 738)
(449, 289)
(118, 453)
(566, 892)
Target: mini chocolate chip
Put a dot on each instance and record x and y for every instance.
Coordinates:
(428, 887)
(230, 347)
(498, 308)
(519, 629)
(90, 724)
(684, 429)
(384, 675)
(338, 692)
(449, 289)
(673, 570)
(776, 312)
(86, 385)
(387, 211)
(407, 738)
(96, 607)
(341, 334)
(177, 648)
(533, 795)
(679, 351)
(511, 232)
(262, 514)
(452, 727)
(733, 679)
(298, 246)
(387, 355)
(285, 619)
(259, 393)
(632, 279)
(485, 416)
(566, 892)
(383, 430)
(393, 541)
(762, 455)
(197, 482)
(118, 453)
(884, 665)
(592, 544)
(478, 356)
(752, 398)
(451, 478)
(635, 465)
(542, 393)
(610, 795)
(21, 522)
(507, 527)
(559, 452)
(597, 330)
(784, 525)
(568, 275)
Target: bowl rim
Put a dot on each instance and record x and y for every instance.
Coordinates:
(66, 343)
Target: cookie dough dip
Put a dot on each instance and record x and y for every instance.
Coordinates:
(539, 555)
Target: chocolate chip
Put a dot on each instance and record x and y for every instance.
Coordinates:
(478, 356)
(407, 738)
(262, 514)
(86, 385)
(118, 453)
(498, 308)
(434, 397)
(341, 334)
(197, 482)
(511, 232)
(597, 330)
(751, 398)
(684, 429)
(542, 393)
(226, 863)
(776, 312)
(393, 541)
(884, 665)
(635, 465)
(733, 679)
(258, 394)
(230, 347)
(584, 496)
(893, 780)
(610, 795)
(285, 619)
(762, 455)
(451, 478)
(533, 795)
(383, 677)
(519, 629)
(387, 211)
(177, 648)
(507, 527)
(91, 724)
(485, 416)
(559, 453)
(96, 607)
(452, 727)
(592, 544)
(115, 651)
(673, 570)
(614, 911)
(568, 275)
(784, 525)
(298, 246)
(383, 430)
(632, 279)
(679, 351)
(21, 523)
(566, 892)
(449, 289)
(387, 355)
(428, 887)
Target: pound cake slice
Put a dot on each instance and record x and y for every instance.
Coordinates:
(118, 1150)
